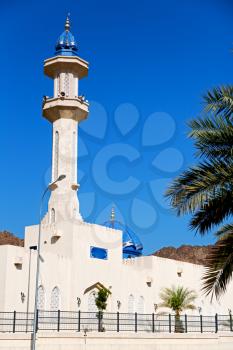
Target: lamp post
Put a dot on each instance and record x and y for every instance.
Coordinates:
(34, 247)
(50, 186)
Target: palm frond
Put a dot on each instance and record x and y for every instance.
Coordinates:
(213, 212)
(206, 190)
(177, 298)
(219, 264)
(192, 189)
(220, 101)
(213, 137)
(224, 231)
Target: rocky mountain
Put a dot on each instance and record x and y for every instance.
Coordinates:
(9, 238)
(186, 253)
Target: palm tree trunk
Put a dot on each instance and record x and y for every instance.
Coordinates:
(179, 328)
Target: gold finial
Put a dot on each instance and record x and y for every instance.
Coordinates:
(67, 24)
(113, 214)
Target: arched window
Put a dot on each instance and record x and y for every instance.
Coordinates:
(41, 298)
(55, 299)
(131, 304)
(56, 155)
(91, 302)
(141, 305)
(53, 216)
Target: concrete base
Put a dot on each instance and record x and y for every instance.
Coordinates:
(121, 341)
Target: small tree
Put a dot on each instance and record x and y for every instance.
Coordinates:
(101, 299)
(101, 303)
(178, 299)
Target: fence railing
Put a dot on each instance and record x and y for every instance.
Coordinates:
(116, 322)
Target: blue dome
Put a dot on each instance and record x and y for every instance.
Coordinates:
(66, 44)
(131, 244)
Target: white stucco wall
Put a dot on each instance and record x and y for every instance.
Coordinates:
(66, 264)
(71, 341)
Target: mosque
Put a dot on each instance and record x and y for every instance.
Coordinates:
(78, 258)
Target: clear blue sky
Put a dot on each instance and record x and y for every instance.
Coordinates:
(155, 56)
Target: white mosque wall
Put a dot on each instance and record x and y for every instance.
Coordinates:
(114, 341)
(66, 265)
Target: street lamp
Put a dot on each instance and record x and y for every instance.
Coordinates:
(33, 247)
(49, 187)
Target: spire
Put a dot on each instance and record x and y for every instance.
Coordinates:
(67, 24)
(112, 215)
(66, 44)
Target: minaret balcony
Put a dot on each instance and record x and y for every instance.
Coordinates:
(69, 108)
(72, 64)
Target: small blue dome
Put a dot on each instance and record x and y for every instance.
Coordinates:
(132, 246)
(66, 44)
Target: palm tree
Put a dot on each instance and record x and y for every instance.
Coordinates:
(178, 299)
(206, 190)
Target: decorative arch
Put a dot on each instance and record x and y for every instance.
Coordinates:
(91, 293)
(97, 286)
(131, 304)
(91, 302)
(41, 298)
(55, 299)
(141, 305)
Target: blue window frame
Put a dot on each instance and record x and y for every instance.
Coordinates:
(98, 253)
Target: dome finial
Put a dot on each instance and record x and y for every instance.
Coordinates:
(67, 24)
(66, 44)
(113, 215)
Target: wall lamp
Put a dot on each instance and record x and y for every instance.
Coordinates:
(23, 296)
(179, 272)
(79, 301)
(118, 304)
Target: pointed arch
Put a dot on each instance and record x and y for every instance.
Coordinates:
(131, 304)
(41, 298)
(55, 299)
(91, 302)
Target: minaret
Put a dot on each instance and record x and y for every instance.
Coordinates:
(65, 110)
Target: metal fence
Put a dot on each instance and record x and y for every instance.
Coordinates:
(115, 322)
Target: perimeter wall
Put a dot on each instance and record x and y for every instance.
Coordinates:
(126, 341)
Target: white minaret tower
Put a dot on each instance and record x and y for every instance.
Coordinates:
(65, 110)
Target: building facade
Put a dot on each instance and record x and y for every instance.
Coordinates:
(78, 258)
